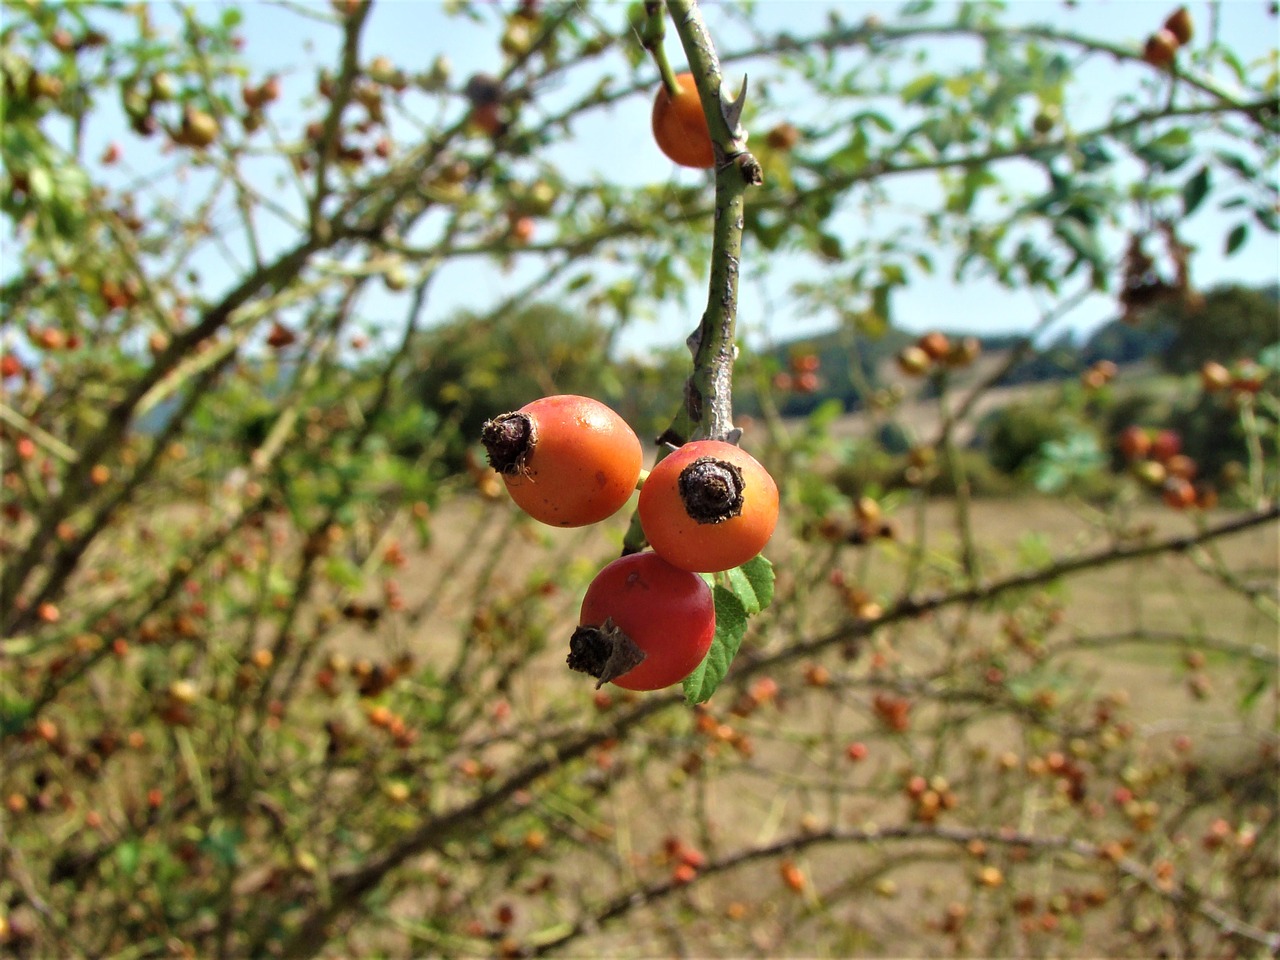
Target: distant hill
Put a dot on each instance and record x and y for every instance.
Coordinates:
(1122, 343)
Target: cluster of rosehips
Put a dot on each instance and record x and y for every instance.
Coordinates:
(197, 129)
(856, 600)
(1156, 458)
(384, 718)
(368, 90)
(53, 339)
(929, 798)
(370, 679)
(1099, 375)
(893, 712)
(1245, 377)
(803, 375)
(866, 524)
(717, 732)
(1162, 46)
(647, 619)
(1047, 918)
(936, 348)
(684, 859)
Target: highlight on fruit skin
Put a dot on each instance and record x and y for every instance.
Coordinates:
(680, 127)
(567, 461)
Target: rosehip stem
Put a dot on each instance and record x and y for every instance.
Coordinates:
(708, 395)
(707, 410)
(652, 34)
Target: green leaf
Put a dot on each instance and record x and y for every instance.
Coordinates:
(1260, 683)
(1168, 151)
(1194, 191)
(1270, 358)
(127, 856)
(878, 119)
(1080, 239)
(343, 572)
(223, 845)
(1239, 164)
(1093, 156)
(880, 304)
(916, 8)
(1034, 550)
(1236, 238)
(923, 89)
(1061, 461)
(753, 584)
(15, 713)
(731, 627)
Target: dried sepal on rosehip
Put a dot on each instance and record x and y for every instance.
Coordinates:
(567, 461)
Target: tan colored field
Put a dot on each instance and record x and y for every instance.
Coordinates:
(797, 777)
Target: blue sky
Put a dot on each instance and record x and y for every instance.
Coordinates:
(413, 32)
(401, 29)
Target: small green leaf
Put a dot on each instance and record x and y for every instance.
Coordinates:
(1034, 550)
(878, 119)
(1261, 681)
(1093, 156)
(1080, 239)
(880, 304)
(1270, 358)
(1169, 150)
(923, 89)
(1236, 238)
(223, 845)
(1194, 191)
(753, 584)
(1239, 164)
(731, 627)
(127, 856)
(15, 713)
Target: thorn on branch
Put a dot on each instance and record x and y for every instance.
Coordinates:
(670, 439)
(732, 111)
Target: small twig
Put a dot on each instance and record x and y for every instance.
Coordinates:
(1178, 894)
(38, 435)
(652, 33)
(707, 408)
(1255, 652)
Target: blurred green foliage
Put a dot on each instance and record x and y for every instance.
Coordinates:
(1233, 321)
(1014, 435)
